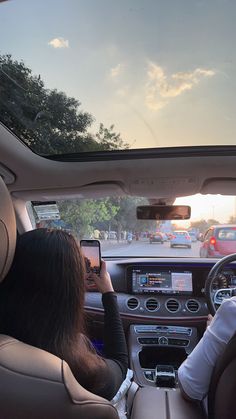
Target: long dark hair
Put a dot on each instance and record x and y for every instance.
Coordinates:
(42, 299)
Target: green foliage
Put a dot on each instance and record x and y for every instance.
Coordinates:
(50, 122)
(47, 120)
(109, 140)
(82, 215)
(125, 218)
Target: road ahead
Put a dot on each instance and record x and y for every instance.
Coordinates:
(144, 248)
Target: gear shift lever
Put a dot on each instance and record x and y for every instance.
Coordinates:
(165, 376)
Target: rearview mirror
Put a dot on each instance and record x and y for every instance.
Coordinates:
(163, 212)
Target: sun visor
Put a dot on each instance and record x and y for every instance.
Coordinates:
(94, 190)
(222, 186)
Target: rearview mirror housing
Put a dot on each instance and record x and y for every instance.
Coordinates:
(163, 212)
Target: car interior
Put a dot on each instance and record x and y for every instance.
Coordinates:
(165, 292)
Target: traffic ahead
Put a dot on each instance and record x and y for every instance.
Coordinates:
(144, 248)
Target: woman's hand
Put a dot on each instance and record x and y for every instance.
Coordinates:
(103, 281)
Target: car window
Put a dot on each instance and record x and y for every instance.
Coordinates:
(227, 234)
(113, 75)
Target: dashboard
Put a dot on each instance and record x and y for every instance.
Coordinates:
(163, 309)
(161, 289)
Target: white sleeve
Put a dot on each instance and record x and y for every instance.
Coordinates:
(195, 373)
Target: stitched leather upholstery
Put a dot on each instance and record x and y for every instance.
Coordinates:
(7, 230)
(35, 384)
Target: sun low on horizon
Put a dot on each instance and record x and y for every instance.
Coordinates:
(208, 207)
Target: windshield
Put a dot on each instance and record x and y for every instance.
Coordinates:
(82, 75)
(113, 222)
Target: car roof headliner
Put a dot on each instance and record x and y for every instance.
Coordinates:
(156, 173)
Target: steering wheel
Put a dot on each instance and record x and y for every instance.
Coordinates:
(220, 294)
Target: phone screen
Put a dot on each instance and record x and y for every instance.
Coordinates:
(92, 254)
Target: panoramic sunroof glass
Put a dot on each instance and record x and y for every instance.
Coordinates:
(109, 75)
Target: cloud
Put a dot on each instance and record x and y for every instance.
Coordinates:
(160, 89)
(59, 43)
(116, 71)
(122, 91)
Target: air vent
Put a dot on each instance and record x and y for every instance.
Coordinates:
(152, 304)
(172, 305)
(132, 303)
(193, 306)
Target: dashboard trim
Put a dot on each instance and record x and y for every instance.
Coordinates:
(139, 317)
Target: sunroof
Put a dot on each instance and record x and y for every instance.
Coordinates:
(85, 76)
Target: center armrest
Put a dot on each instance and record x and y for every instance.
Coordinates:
(159, 403)
(179, 408)
(149, 403)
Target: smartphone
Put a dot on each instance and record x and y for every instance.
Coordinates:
(91, 251)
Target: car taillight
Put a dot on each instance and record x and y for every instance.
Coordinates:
(213, 241)
(173, 237)
(188, 237)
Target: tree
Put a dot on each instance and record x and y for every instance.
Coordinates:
(125, 218)
(110, 140)
(212, 221)
(232, 219)
(47, 120)
(82, 215)
(202, 225)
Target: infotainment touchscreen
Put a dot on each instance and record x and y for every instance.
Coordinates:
(161, 282)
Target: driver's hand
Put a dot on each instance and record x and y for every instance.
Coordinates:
(209, 319)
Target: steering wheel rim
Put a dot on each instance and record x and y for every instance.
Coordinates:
(215, 270)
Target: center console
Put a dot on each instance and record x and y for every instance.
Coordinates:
(157, 351)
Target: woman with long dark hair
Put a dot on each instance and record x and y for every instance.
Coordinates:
(42, 304)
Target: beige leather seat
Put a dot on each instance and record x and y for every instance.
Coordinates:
(35, 384)
(221, 396)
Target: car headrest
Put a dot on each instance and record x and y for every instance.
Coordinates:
(7, 230)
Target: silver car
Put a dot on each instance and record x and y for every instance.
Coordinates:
(181, 238)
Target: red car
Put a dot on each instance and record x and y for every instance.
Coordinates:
(219, 241)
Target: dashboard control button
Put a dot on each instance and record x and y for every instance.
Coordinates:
(162, 340)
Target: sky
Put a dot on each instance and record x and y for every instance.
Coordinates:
(204, 207)
(163, 72)
(92, 253)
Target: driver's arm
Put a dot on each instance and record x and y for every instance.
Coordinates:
(195, 373)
